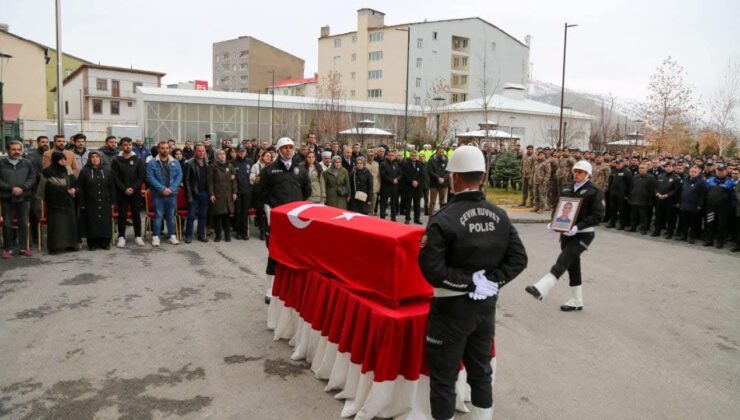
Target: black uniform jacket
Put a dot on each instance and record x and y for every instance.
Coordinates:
(468, 235)
(591, 211)
(282, 185)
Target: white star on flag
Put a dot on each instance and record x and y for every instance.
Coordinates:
(348, 215)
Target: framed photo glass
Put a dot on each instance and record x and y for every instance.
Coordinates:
(565, 214)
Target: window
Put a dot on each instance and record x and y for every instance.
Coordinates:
(354, 57)
(337, 42)
(493, 46)
(66, 107)
(463, 80)
(463, 97)
(418, 63)
(101, 84)
(419, 42)
(454, 97)
(376, 37)
(375, 93)
(352, 93)
(115, 86)
(243, 78)
(337, 60)
(244, 53)
(465, 43)
(455, 80)
(418, 82)
(97, 106)
(375, 74)
(354, 39)
(434, 35)
(115, 108)
(417, 100)
(130, 104)
(137, 84)
(242, 66)
(456, 62)
(465, 61)
(375, 56)
(352, 75)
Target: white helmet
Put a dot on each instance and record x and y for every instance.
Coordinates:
(467, 159)
(284, 141)
(582, 165)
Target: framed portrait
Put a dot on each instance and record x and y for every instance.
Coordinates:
(564, 216)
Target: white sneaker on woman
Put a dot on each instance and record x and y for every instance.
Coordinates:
(155, 240)
(173, 240)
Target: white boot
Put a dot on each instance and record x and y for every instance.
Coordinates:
(268, 292)
(540, 289)
(477, 413)
(575, 303)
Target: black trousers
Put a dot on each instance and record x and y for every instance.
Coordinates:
(571, 248)
(412, 197)
(124, 202)
(459, 329)
(640, 217)
(222, 222)
(388, 193)
(716, 223)
(241, 213)
(665, 215)
(618, 210)
(689, 222)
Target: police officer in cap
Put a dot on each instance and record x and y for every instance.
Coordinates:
(577, 240)
(469, 250)
(282, 182)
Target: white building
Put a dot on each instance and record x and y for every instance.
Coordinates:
(533, 122)
(105, 94)
(371, 61)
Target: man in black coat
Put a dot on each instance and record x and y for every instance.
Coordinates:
(412, 186)
(667, 191)
(641, 198)
(242, 166)
(17, 180)
(390, 177)
(620, 182)
(438, 179)
(128, 173)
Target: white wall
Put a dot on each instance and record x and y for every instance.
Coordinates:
(508, 63)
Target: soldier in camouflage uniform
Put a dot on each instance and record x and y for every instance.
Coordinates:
(541, 182)
(528, 162)
(602, 171)
(564, 172)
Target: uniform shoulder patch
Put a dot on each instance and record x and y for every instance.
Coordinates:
(424, 240)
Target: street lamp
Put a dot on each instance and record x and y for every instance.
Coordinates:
(4, 58)
(637, 130)
(562, 86)
(438, 100)
(60, 80)
(272, 108)
(406, 102)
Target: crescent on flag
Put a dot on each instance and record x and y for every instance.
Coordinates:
(295, 220)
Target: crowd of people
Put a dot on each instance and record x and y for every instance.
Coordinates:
(682, 197)
(79, 193)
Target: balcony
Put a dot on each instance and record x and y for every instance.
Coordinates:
(460, 44)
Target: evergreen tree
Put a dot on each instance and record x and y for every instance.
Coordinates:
(507, 170)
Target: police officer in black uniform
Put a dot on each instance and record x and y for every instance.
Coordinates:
(620, 183)
(469, 250)
(282, 182)
(577, 240)
(667, 189)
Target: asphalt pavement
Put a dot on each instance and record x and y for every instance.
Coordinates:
(179, 332)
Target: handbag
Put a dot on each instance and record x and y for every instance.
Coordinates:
(360, 195)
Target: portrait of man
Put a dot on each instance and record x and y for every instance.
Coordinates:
(565, 215)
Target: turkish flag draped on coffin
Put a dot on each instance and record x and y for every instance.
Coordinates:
(370, 256)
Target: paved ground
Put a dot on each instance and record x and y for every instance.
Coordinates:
(179, 332)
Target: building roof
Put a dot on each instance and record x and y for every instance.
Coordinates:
(434, 21)
(111, 68)
(295, 82)
(367, 131)
(493, 134)
(522, 106)
(282, 101)
(42, 46)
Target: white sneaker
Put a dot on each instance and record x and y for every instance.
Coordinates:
(121, 242)
(173, 240)
(155, 240)
(139, 241)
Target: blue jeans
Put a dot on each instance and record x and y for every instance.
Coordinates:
(200, 204)
(164, 207)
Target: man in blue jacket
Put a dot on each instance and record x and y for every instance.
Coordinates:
(693, 193)
(720, 196)
(164, 176)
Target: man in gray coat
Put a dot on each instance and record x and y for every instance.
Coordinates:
(17, 179)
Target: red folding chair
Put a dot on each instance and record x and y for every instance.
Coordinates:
(181, 212)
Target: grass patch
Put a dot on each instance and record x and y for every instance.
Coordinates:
(502, 197)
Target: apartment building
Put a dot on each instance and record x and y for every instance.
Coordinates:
(105, 93)
(446, 59)
(246, 64)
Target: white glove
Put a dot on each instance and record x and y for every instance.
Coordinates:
(483, 288)
(549, 228)
(572, 231)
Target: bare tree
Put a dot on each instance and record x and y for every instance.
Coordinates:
(724, 105)
(668, 103)
(432, 106)
(486, 86)
(331, 114)
(601, 129)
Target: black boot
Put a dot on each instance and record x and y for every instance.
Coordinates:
(655, 234)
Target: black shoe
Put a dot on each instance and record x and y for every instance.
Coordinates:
(707, 243)
(188, 239)
(106, 247)
(227, 238)
(393, 219)
(406, 222)
(239, 236)
(632, 229)
(610, 226)
(669, 236)
(262, 236)
(418, 222)
(719, 245)
(620, 227)
(218, 239)
(643, 231)
(202, 239)
(736, 248)
(655, 234)
(692, 241)
(533, 291)
(267, 300)
(682, 238)
(566, 308)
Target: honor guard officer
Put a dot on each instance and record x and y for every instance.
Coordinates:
(574, 242)
(469, 250)
(282, 182)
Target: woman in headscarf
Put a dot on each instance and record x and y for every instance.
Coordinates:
(59, 195)
(316, 176)
(336, 180)
(222, 189)
(361, 192)
(96, 191)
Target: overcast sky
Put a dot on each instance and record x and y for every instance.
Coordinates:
(615, 48)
